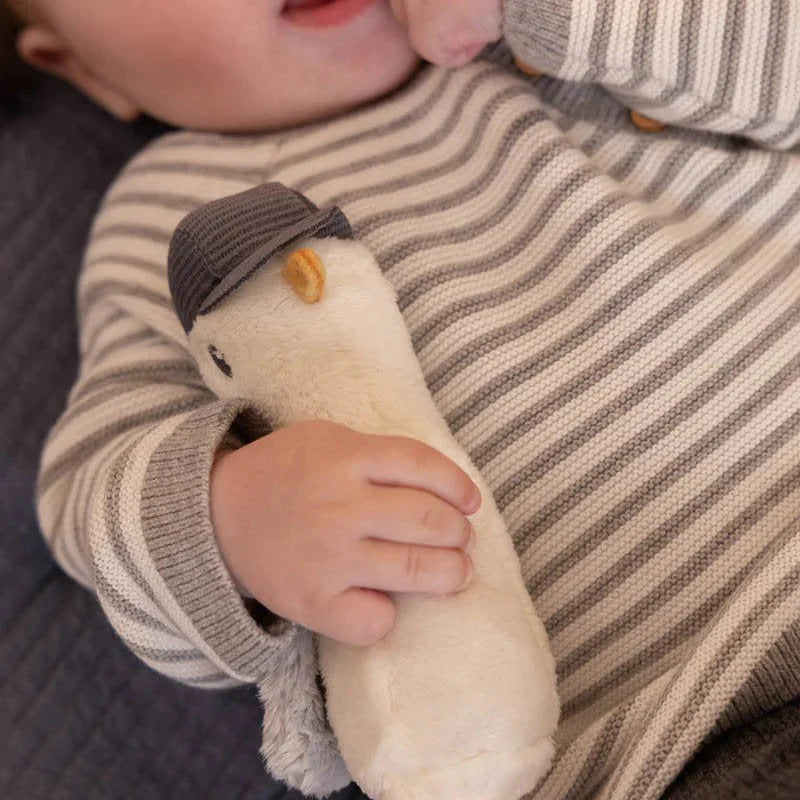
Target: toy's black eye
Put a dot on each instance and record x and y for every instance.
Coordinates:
(220, 361)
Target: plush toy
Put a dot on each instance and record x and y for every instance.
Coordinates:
(284, 308)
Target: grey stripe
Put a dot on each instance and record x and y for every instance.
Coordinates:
(122, 343)
(98, 397)
(124, 607)
(774, 682)
(701, 614)
(111, 259)
(390, 257)
(214, 678)
(727, 653)
(559, 196)
(705, 338)
(449, 166)
(109, 288)
(518, 125)
(142, 373)
(82, 450)
(672, 585)
(462, 194)
(444, 130)
(597, 56)
(250, 175)
(606, 260)
(60, 534)
(689, 50)
(589, 482)
(772, 68)
(56, 529)
(644, 40)
(175, 202)
(88, 342)
(622, 170)
(147, 232)
(80, 529)
(591, 773)
(721, 101)
(221, 141)
(682, 464)
(163, 656)
(116, 536)
(431, 83)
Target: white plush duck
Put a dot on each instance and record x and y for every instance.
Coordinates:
(458, 701)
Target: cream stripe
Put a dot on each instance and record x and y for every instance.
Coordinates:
(107, 562)
(746, 97)
(643, 777)
(554, 428)
(635, 265)
(582, 23)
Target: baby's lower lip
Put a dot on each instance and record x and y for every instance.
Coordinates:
(324, 13)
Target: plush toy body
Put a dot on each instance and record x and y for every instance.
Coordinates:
(458, 701)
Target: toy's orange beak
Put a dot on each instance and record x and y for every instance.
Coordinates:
(306, 274)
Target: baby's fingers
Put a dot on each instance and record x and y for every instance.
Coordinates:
(392, 567)
(359, 617)
(410, 516)
(401, 461)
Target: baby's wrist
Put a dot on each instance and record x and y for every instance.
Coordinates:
(219, 523)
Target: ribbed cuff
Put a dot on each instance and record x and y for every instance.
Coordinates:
(538, 32)
(177, 527)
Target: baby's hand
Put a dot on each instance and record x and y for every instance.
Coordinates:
(317, 521)
(450, 32)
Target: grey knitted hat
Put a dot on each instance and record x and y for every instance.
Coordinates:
(217, 247)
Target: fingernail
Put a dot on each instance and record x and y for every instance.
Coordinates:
(470, 572)
(475, 500)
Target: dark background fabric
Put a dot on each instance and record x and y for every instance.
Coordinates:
(80, 717)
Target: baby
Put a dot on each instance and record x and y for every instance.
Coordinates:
(608, 320)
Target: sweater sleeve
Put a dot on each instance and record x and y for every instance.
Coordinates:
(716, 65)
(123, 500)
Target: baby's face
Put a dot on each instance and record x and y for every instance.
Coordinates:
(238, 64)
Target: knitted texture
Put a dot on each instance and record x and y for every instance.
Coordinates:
(608, 321)
(221, 244)
(757, 761)
(714, 65)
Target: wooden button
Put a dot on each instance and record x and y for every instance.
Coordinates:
(527, 68)
(646, 124)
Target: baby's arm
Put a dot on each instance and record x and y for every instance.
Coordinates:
(123, 499)
(716, 65)
(125, 485)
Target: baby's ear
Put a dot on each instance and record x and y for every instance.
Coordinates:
(44, 49)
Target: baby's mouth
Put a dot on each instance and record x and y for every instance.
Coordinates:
(289, 4)
(322, 13)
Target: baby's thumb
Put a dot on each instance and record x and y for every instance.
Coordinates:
(450, 34)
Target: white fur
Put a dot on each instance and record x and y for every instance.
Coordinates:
(458, 702)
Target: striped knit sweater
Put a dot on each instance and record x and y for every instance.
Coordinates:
(609, 321)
